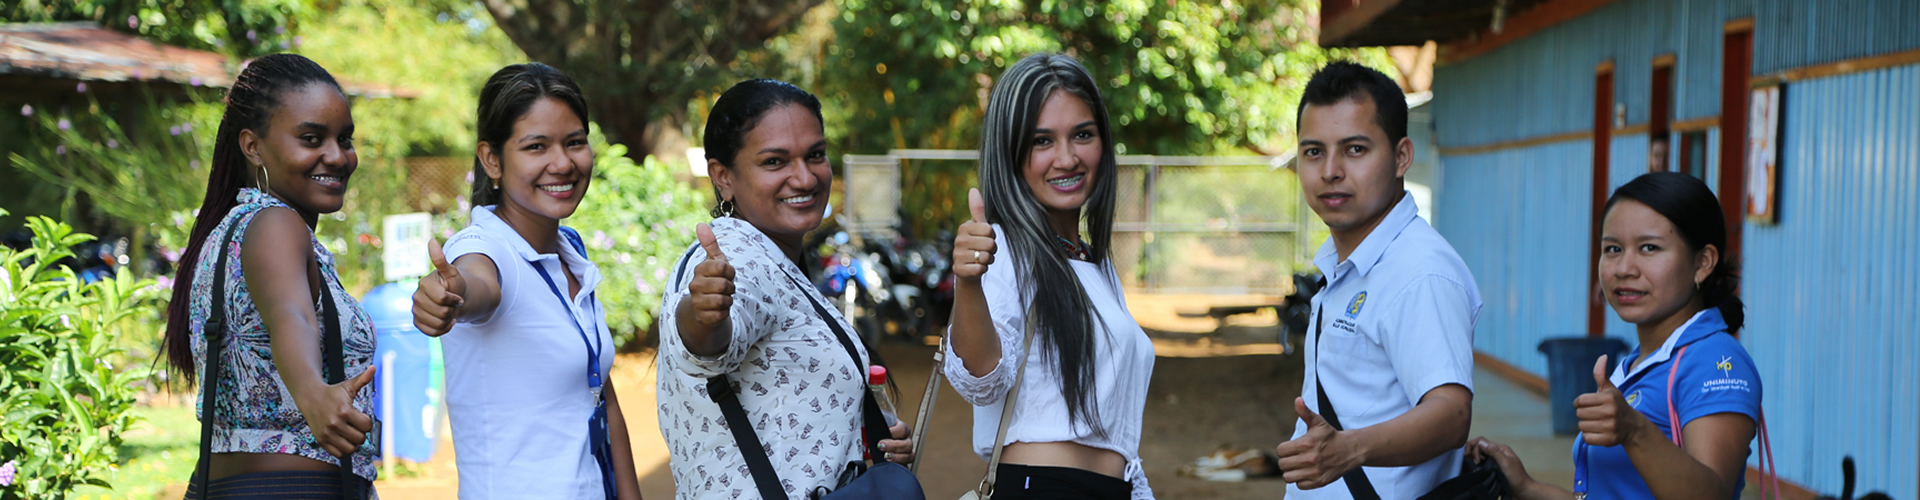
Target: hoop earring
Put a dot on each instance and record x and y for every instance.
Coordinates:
(724, 210)
(262, 182)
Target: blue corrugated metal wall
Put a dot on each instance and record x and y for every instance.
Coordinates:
(1519, 220)
(1522, 90)
(1829, 289)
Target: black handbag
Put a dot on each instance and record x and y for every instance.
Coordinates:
(1480, 480)
(882, 481)
(215, 330)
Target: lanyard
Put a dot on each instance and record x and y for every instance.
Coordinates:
(592, 341)
(1580, 468)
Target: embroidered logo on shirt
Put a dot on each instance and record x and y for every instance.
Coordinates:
(1633, 400)
(1726, 382)
(1353, 306)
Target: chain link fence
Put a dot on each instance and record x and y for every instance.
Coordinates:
(1212, 225)
(437, 184)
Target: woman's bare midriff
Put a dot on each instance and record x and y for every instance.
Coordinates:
(1066, 454)
(233, 464)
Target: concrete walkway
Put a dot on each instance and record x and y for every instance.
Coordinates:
(1510, 414)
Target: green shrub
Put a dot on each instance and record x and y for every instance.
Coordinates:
(63, 404)
(637, 220)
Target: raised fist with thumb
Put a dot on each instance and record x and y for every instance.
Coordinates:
(440, 296)
(337, 427)
(710, 294)
(973, 244)
(1606, 419)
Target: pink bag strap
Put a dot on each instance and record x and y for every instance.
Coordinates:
(1768, 470)
(1673, 417)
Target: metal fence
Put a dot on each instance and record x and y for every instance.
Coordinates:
(1228, 225)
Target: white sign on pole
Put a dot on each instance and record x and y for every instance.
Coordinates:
(405, 251)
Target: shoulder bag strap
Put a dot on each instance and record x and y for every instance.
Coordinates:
(215, 333)
(1007, 407)
(927, 399)
(720, 390)
(876, 422)
(1357, 483)
(764, 477)
(334, 350)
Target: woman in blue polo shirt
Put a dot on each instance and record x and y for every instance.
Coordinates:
(1662, 269)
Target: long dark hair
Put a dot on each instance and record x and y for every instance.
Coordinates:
(1695, 214)
(739, 109)
(251, 102)
(1063, 312)
(508, 95)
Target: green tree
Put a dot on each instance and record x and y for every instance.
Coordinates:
(245, 28)
(1179, 78)
(641, 62)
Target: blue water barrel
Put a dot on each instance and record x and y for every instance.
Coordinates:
(409, 395)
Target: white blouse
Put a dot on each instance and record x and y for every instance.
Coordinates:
(792, 375)
(1122, 367)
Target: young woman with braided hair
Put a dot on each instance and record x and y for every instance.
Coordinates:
(283, 156)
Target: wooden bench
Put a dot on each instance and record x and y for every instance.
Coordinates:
(1221, 313)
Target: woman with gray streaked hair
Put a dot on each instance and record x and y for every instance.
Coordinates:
(1047, 165)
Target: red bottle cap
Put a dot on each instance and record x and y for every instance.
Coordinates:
(876, 375)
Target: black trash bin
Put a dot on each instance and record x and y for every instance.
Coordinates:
(1570, 373)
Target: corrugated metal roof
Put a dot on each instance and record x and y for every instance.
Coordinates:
(88, 52)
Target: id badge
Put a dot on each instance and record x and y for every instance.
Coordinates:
(602, 447)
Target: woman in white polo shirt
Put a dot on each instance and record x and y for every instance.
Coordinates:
(1047, 164)
(528, 352)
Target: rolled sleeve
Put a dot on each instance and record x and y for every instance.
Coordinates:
(1432, 343)
(1008, 313)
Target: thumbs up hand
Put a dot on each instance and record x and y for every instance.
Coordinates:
(437, 301)
(1319, 457)
(711, 292)
(973, 244)
(1606, 419)
(337, 427)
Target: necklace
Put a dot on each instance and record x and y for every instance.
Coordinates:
(1074, 251)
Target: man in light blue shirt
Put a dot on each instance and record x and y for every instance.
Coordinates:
(1386, 413)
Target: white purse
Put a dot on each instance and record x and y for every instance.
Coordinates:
(985, 490)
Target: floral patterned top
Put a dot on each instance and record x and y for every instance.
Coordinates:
(798, 386)
(256, 413)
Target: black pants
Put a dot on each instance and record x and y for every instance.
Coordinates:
(278, 485)
(1024, 482)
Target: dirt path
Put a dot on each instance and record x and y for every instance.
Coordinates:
(1210, 389)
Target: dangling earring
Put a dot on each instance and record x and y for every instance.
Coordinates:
(496, 183)
(724, 211)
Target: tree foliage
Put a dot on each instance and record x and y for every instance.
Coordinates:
(641, 61)
(245, 28)
(1179, 78)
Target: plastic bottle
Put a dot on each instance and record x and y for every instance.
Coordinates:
(877, 382)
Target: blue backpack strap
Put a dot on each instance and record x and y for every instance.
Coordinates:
(682, 271)
(573, 238)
